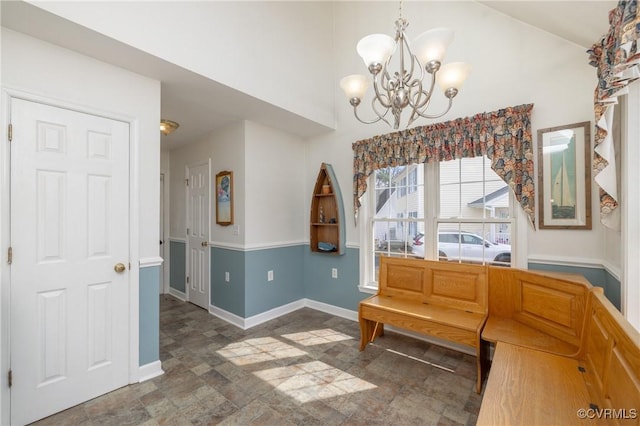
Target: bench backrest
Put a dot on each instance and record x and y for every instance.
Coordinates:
(552, 303)
(612, 357)
(455, 285)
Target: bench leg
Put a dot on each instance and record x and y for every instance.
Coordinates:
(366, 327)
(482, 360)
(377, 331)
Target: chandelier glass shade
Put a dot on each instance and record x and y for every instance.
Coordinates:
(394, 91)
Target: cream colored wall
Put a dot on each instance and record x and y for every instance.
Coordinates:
(225, 149)
(233, 43)
(527, 66)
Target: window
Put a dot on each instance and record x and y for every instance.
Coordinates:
(463, 202)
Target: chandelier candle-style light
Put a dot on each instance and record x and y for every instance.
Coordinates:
(396, 90)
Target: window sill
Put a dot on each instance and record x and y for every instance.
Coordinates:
(368, 288)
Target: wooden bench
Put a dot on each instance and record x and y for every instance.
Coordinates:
(539, 310)
(565, 356)
(440, 299)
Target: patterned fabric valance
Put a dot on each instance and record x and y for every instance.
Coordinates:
(616, 57)
(504, 136)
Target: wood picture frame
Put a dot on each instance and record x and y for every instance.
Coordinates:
(224, 198)
(564, 177)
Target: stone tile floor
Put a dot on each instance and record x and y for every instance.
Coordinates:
(303, 368)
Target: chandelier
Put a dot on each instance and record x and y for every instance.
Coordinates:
(397, 90)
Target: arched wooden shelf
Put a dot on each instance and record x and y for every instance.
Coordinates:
(327, 214)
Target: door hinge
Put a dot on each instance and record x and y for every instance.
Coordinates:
(10, 132)
(187, 231)
(10, 378)
(186, 181)
(10, 255)
(187, 279)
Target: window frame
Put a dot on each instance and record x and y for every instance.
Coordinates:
(431, 187)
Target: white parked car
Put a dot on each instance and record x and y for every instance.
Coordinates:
(466, 246)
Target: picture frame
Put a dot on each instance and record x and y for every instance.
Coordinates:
(564, 176)
(224, 198)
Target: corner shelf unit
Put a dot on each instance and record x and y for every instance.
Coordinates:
(327, 214)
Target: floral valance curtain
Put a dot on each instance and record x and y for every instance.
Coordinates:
(504, 136)
(616, 57)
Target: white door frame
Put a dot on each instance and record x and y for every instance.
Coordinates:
(5, 233)
(166, 250)
(187, 193)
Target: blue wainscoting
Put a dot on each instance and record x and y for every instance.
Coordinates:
(177, 267)
(149, 311)
(287, 264)
(229, 296)
(319, 286)
(598, 277)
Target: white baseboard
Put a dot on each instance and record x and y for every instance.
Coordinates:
(227, 316)
(273, 313)
(149, 371)
(177, 294)
(331, 309)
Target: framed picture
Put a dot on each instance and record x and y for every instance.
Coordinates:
(564, 177)
(224, 198)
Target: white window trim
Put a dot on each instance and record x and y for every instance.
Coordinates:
(518, 221)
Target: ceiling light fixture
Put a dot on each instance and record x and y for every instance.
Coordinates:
(396, 90)
(168, 126)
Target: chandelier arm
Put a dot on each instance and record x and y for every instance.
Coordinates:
(407, 77)
(382, 98)
(436, 115)
(386, 82)
(380, 116)
(415, 101)
(355, 113)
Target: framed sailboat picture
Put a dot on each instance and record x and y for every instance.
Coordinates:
(564, 177)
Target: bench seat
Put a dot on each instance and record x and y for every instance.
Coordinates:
(528, 386)
(508, 330)
(438, 321)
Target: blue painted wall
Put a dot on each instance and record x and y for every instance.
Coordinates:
(596, 276)
(149, 308)
(288, 278)
(177, 268)
(229, 296)
(319, 286)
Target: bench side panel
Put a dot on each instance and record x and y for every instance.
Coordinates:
(612, 358)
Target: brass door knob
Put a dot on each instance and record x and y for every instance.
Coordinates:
(119, 268)
(205, 244)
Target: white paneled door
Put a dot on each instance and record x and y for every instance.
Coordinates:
(198, 219)
(70, 269)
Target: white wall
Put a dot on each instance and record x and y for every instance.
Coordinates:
(275, 187)
(512, 64)
(46, 70)
(225, 148)
(229, 42)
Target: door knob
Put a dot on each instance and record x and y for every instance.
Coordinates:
(205, 244)
(119, 268)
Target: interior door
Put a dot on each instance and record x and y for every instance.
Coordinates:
(69, 275)
(198, 219)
